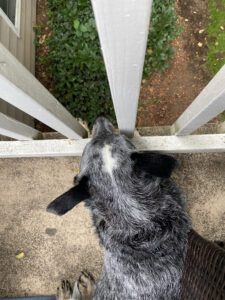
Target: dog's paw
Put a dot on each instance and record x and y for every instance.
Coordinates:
(86, 285)
(64, 291)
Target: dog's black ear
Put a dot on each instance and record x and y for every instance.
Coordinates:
(68, 200)
(154, 164)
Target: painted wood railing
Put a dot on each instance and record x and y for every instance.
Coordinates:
(123, 27)
(209, 103)
(21, 89)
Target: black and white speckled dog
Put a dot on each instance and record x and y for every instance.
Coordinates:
(138, 212)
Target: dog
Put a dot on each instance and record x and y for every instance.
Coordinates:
(139, 216)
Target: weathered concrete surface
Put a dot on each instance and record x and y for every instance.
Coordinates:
(60, 247)
(202, 180)
(54, 247)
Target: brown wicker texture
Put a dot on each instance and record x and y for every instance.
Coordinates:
(204, 272)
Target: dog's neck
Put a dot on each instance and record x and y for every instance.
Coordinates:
(139, 211)
(127, 205)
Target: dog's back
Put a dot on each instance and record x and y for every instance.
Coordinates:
(144, 230)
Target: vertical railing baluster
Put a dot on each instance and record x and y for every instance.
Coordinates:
(123, 27)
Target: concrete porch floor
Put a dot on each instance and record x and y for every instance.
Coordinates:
(58, 248)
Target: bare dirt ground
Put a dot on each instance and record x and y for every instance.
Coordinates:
(165, 96)
(42, 21)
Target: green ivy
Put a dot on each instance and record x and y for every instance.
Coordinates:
(75, 62)
(216, 36)
(163, 30)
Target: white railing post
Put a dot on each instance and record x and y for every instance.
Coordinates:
(209, 103)
(21, 89)
(123, 27)
(16, 130)
(166, 144)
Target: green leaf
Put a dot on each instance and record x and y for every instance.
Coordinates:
(76, 24)
(83, 28)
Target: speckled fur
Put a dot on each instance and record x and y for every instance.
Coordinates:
(140, 220)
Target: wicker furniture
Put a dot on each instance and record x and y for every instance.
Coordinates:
(204, 272)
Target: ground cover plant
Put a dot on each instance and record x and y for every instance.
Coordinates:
(216, 36)
(75, 63)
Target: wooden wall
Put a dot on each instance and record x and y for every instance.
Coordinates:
(22, 47)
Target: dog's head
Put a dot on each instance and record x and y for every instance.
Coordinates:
(109, 160)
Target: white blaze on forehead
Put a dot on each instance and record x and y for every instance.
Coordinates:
(109, 163)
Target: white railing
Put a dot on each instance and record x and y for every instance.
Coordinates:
(209, 103)
(21, 89)
(167, 144)
(17, 130)
(122, 27)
